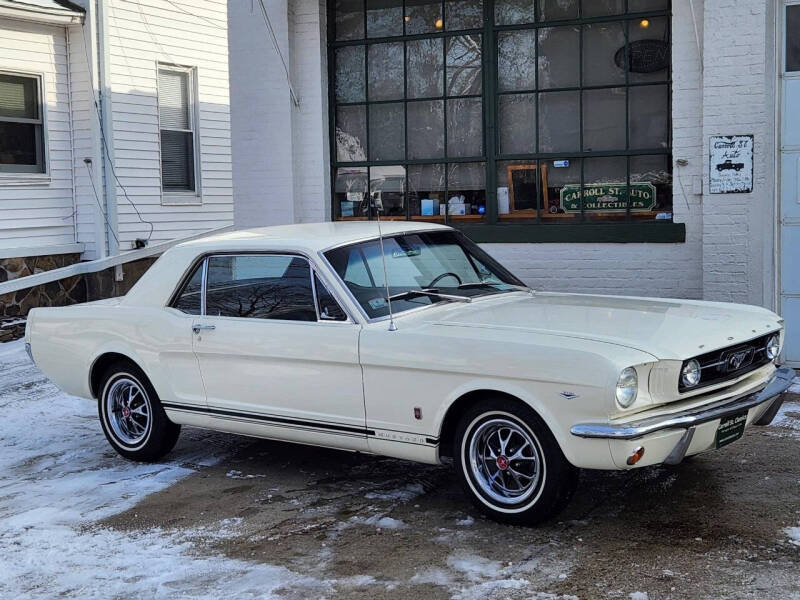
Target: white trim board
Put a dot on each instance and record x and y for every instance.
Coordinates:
(24, 252)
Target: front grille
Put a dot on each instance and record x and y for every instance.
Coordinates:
(729, 363)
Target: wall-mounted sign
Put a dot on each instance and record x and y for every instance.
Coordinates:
(644, 56)
(730, 164)
(608, 197)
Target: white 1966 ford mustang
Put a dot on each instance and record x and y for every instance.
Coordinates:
(293, 333)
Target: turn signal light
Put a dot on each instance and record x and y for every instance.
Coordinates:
(636, 456)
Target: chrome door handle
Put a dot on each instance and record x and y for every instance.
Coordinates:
(198, 328)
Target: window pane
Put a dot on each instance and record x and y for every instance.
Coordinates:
(559, 57)
(464, 71)
(173, 99)
(18, 142)
(793, 38)
(601, 41)
(386, 71)
(649, 116)
(509, 12)
(425, 69)
(349, 19)
(350, 84)
(517, 189)
(605, 193)
(656, 171)
(550, 10)
(384, 18)
(516, 60)
(388, 188)
(646, 5)
(423, 16)
(386, 132)
(18, 97)
(464, 127)
(600, 8)
(188, 300)
(604, 119)
(351, 133)
(648, 50)
(559, 122)
(463, 14)
(177, 161)
(425, 129)
(329, 309)
(517, 123)
(260, 287)
(562, 189)
(426, 190)
(350, 193)
(466, 190)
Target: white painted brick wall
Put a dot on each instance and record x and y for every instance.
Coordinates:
(261, 116)
(737, 99)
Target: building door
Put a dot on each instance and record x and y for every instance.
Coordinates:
(790, 184)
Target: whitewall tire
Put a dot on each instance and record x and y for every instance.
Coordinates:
(509, 463)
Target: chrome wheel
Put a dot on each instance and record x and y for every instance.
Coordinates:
(128, 409)
(505, 461)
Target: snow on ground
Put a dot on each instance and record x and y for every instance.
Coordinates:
(58, 475)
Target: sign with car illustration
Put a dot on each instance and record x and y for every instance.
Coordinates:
(731, 164)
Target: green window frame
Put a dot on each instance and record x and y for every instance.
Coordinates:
(476, 175)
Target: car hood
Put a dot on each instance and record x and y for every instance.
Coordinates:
(666, 329)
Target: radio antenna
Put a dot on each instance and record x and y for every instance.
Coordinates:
(392, 325)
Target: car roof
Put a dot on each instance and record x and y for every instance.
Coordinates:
(310, 237)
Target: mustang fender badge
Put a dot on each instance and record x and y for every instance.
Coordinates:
(568, 395)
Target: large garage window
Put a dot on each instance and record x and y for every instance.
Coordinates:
(502, 112)
(21, 124)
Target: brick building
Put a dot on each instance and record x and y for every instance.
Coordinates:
(526, 123)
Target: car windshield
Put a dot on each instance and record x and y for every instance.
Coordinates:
(422, 269)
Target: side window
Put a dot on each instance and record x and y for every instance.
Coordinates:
(188, 299)
(260, 287)
(329, 309)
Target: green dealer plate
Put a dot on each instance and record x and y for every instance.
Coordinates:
(730, 429)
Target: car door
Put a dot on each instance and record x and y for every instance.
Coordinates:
(277, 354)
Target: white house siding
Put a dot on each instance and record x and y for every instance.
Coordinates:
(142, 34)
(33, 215)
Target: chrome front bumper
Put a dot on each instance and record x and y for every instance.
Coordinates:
(772, 393)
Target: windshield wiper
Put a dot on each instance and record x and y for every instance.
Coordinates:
(429, 293)
(493, 284)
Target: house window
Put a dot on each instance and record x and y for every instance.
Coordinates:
(483, 113)
(21, 124)
(177, 130)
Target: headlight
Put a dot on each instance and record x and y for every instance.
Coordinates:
(773, 348)
(690, 374)
(627, 387)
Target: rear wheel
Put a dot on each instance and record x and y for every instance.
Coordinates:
(510, 464)
(133, 420)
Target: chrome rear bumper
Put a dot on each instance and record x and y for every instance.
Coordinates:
(772, 392)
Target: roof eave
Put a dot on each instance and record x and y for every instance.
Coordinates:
(37, 14)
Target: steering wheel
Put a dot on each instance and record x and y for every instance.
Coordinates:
(442, 276)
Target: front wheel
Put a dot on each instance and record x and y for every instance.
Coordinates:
(133, 420)
(510, 464)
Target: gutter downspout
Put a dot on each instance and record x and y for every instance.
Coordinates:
(107, 127)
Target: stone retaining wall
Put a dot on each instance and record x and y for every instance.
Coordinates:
(15, 306)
